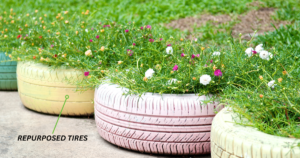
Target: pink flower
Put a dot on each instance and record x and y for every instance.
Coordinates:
(168, 45)
(198, 55)
(133, 44)
(218, 72)
(126, 31)
(151, 40)
(106, 25)
(211, 61)
(148, 27)
(86, 73)
(254, 52)
(175, 68)
(52, 45)
(193, 56)
(97, 36)
(182, 55)
(160, 39)
(142, 28)
(91, 40)
(92, 29)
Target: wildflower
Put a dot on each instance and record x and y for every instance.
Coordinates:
(76, 32)
(182, 55)
(181, 39)
(284, 72)
(126, 31)
(169, 45)
(44, 27)
(151, 40)
(32, 44)
(261, 78)
(86, 30)
(26, 25)
(272, 84)
(41, 59)
(27, 14)
(133, 44)
(102, 71)
(145, 79)
(64, 55)
(91, 40)
(248, 51)
(120, 62)
(58, 33)
(89, 76)
(148, 27)
(48, 30)
(66, 22)
(45, 15)
(169, 50)
(172, 81)
(102, 48)
(34, 57)
(193, 56)
(259, 48)
(36, 11)
(261, 96)
(265, 55)
(55, 55)
(214, 67)
(198, 55)
(5, 36)
(88, 53)
(194, 78)
(142, 65)
(19, 58)
(175, 68)
(149, 73)
(172, 72)
(158, 67)
(19, 36)
(52, 45)
(86, 73)
(218, 72)
(160, 39)
(216, 54)
(280, 80)
(97, 36)
(102, 30)
(195, 39)
(40, 37)
(142, 28)
(9, 55)
(12, 21)
(205, 79)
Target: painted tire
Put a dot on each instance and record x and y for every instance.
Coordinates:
(8, 80)
(174, 125)
(229, 140)
(43, 89)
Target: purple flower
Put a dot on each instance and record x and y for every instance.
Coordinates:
(91, 40)
(193, 56)
(218, 72)
(97, 36)
(133, 44)
(198, 55)
(86, 73)
(126, 31)
(175, 68)
(142, 28)
(254, 52)
(148, 27)
(182, 55)
(151, 40)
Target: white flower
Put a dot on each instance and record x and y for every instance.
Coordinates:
(196, 39)
(205, 79)
(88, 53)
(216, 54)
(272, 84)
(149, 73)
(259, 48)
(169, 50)
(33, 18)
(171, 81)
(265, 55)
(22, 43)
(271, 55)
(86, 30)
(249, 51)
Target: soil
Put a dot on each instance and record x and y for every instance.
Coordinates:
(260, 20)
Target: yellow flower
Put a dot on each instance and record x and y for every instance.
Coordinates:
(61, 18)
(66, 12)
(11, 9)
(6, 30)
(223, 66)
(102, 71)
(5, 36)
(172, 72)
(12, 21)
(142, 65)
(89, 76)
(284, 72)
(58, 14)
(19, 58)
(214, 67)
(45, 15)
(261, 78)
(194, 78)
(181, 39)
(32, 44)
(102, 30)
(57, 17)
(202, 48)
(27, 14)
(42, 59)
(58, 33)
(76, 32)
(67, 34)
(66, 22)
(102, 48)
(145, 79)
(52, 23)
(43, 22)
(40, 49)
(40, 18)
(44, 27)
(116, 70)
(36, 11)
(48, 30)
(26, 25)
(2, 32)
(280, 80)
(82, 12)
(82, 26)
(120, 62)
(9, 55)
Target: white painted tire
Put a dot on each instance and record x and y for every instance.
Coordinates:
(168, 124)
(229, 140)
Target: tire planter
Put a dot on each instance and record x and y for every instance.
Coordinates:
(43, 89)
(229, 140)
(174, 125)
(8, 80)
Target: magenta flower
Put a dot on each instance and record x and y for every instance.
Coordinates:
(218, 72)
(193, 56)
(126, 31)
(52, 45)
(211, 61)
(168, 45)
(148, 27)
(86, 73)
(133, 44)
(254, 52)
(142, 28)
(97, 36)
(182, 55)
(151, 40)
(198, 55)
(91, 40)
(175, 68)
(160, 39)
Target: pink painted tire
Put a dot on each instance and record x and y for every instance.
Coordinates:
(168, 124)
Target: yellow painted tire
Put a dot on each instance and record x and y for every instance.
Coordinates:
(229, 140)
(43, 89)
